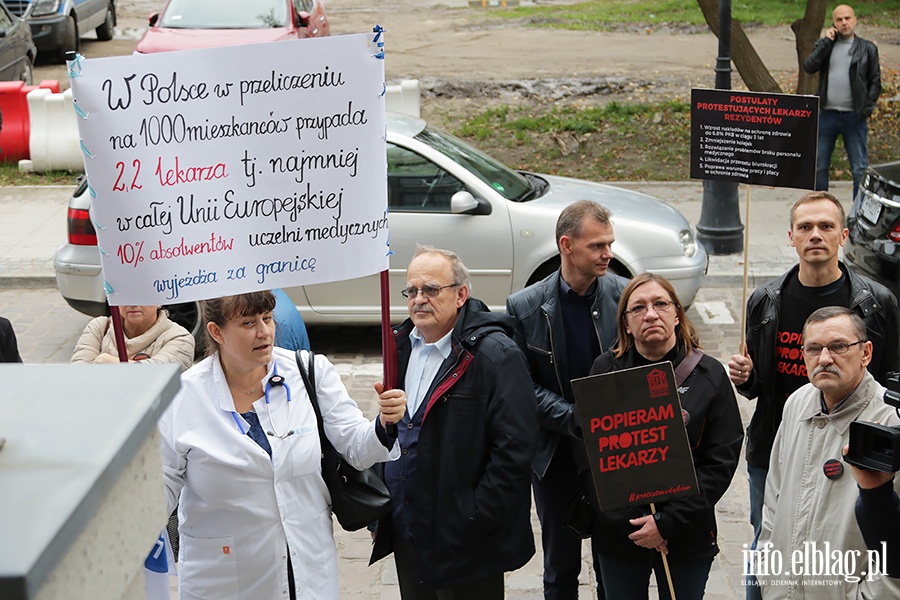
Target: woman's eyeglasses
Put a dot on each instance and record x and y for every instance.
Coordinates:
(639, 310)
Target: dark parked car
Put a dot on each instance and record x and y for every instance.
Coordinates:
(57, 25)
(17, 50)
(874, 223)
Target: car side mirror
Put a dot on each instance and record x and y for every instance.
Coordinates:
(302, 19)
(463, 202)
(154, 17)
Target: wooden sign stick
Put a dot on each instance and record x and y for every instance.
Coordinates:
(665, 561)
(743, 338)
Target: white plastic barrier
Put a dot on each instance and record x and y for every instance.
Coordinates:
(54, 142)
(404, 98)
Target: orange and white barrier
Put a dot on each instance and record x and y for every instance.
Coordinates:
(54, 141)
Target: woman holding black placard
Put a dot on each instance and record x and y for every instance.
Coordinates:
(631, 542)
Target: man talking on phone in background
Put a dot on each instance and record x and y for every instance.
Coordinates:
(849, 86)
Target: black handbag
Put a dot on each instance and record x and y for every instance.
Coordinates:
(358, 498)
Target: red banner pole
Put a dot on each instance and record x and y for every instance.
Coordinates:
(388, 345)
(119, 333)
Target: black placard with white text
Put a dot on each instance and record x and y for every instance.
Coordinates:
(756, 138)
(633, 430)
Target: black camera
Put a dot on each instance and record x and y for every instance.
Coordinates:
(874, 446)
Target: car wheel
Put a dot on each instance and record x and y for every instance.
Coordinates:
(553, 264)
(544, 270)
(70, 41)
(107, 30)
(619, 269)
(27, 76)
(188, 316)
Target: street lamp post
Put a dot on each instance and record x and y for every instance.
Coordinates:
(720, 227)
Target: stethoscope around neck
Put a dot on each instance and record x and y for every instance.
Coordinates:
(275, 380)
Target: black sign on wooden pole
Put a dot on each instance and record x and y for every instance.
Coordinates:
(633, 430)
(756, 138)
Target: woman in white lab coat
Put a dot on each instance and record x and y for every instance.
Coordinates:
(241, 459)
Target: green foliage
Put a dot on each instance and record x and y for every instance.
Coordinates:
(614, 14)
(628, 141)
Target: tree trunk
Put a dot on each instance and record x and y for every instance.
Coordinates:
(747, 61)
(806, 31)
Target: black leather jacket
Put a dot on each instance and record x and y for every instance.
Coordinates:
(872, 301)
(865, 73)
(472, 501)
(540, 333)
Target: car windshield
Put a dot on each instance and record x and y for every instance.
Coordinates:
(215, 14)
(510, 184)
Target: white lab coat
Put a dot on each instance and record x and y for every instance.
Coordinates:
(240, 512)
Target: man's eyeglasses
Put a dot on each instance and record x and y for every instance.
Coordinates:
(833, 348)
(429, 291)
(638, 310)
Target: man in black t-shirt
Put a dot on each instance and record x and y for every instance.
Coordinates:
(773, 368)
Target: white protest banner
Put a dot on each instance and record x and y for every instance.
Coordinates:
(226, 170)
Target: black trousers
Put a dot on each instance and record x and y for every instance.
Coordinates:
(488, 588)
(561, 545)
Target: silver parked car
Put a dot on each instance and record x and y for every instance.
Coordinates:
(445, 193)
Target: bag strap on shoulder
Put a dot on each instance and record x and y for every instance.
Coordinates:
(309, 380)
(686, 366)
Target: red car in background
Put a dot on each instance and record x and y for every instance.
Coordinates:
(187, 24)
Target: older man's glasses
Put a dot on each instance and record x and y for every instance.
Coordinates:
(429, 291)
(833, 348)
(660, 306)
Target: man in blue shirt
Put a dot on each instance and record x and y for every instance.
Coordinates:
(460, 500)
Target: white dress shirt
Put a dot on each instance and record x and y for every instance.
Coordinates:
(424, 362)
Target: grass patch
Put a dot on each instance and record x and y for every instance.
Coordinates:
(10, 175)
(612, 14)
(625, 141)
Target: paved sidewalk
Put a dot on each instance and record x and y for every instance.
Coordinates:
(32, 227)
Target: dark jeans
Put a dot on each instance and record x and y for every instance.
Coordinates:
(757, 477)
(854, 132)
(631, 581)
(487, 588)
(561, 545)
